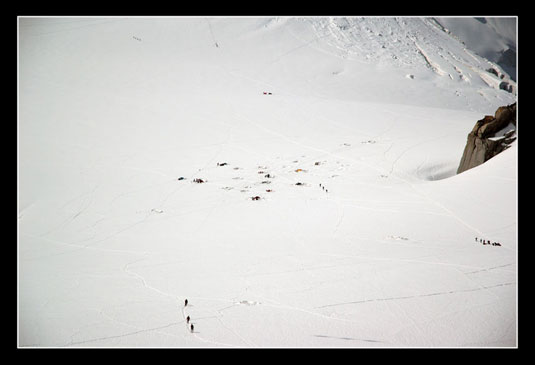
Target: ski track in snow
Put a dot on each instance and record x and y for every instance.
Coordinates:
(480, 287)
(105, 338)
(367, 257)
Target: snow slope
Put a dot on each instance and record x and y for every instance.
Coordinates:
(488, 37)
(112, 111)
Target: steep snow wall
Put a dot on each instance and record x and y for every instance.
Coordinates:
(492, 37)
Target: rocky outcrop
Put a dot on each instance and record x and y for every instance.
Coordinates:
(490, 136)
(504, 85)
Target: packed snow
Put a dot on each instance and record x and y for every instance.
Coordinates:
(293, 178)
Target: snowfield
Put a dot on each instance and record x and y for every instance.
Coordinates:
(375, 248)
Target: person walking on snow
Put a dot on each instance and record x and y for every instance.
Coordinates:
(186, 303)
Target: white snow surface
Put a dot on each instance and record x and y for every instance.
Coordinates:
(112, 111)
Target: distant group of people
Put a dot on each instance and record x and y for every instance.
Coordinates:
(323, 187)
(188, 317)
(487, 242)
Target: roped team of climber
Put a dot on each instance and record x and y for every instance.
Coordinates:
(487, 242)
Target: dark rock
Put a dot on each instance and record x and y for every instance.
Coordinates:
(505, 115)
(504, 85)
(493, 71)
(480, 146)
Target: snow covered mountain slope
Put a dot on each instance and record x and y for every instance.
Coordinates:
(492, 38)
(376, 245)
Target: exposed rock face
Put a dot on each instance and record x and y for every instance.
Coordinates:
(504, 85)
(490, 136)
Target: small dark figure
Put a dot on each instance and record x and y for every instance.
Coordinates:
(320, 185)
(323, 187)
(186, 303)
(480, 240)
(498, 244)
(187, 319)
(326, 190)
(476, 239)
(255, 198)
(191, 326)
(181, 178)
(221, 164)
(299, 184)
(267, 175)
